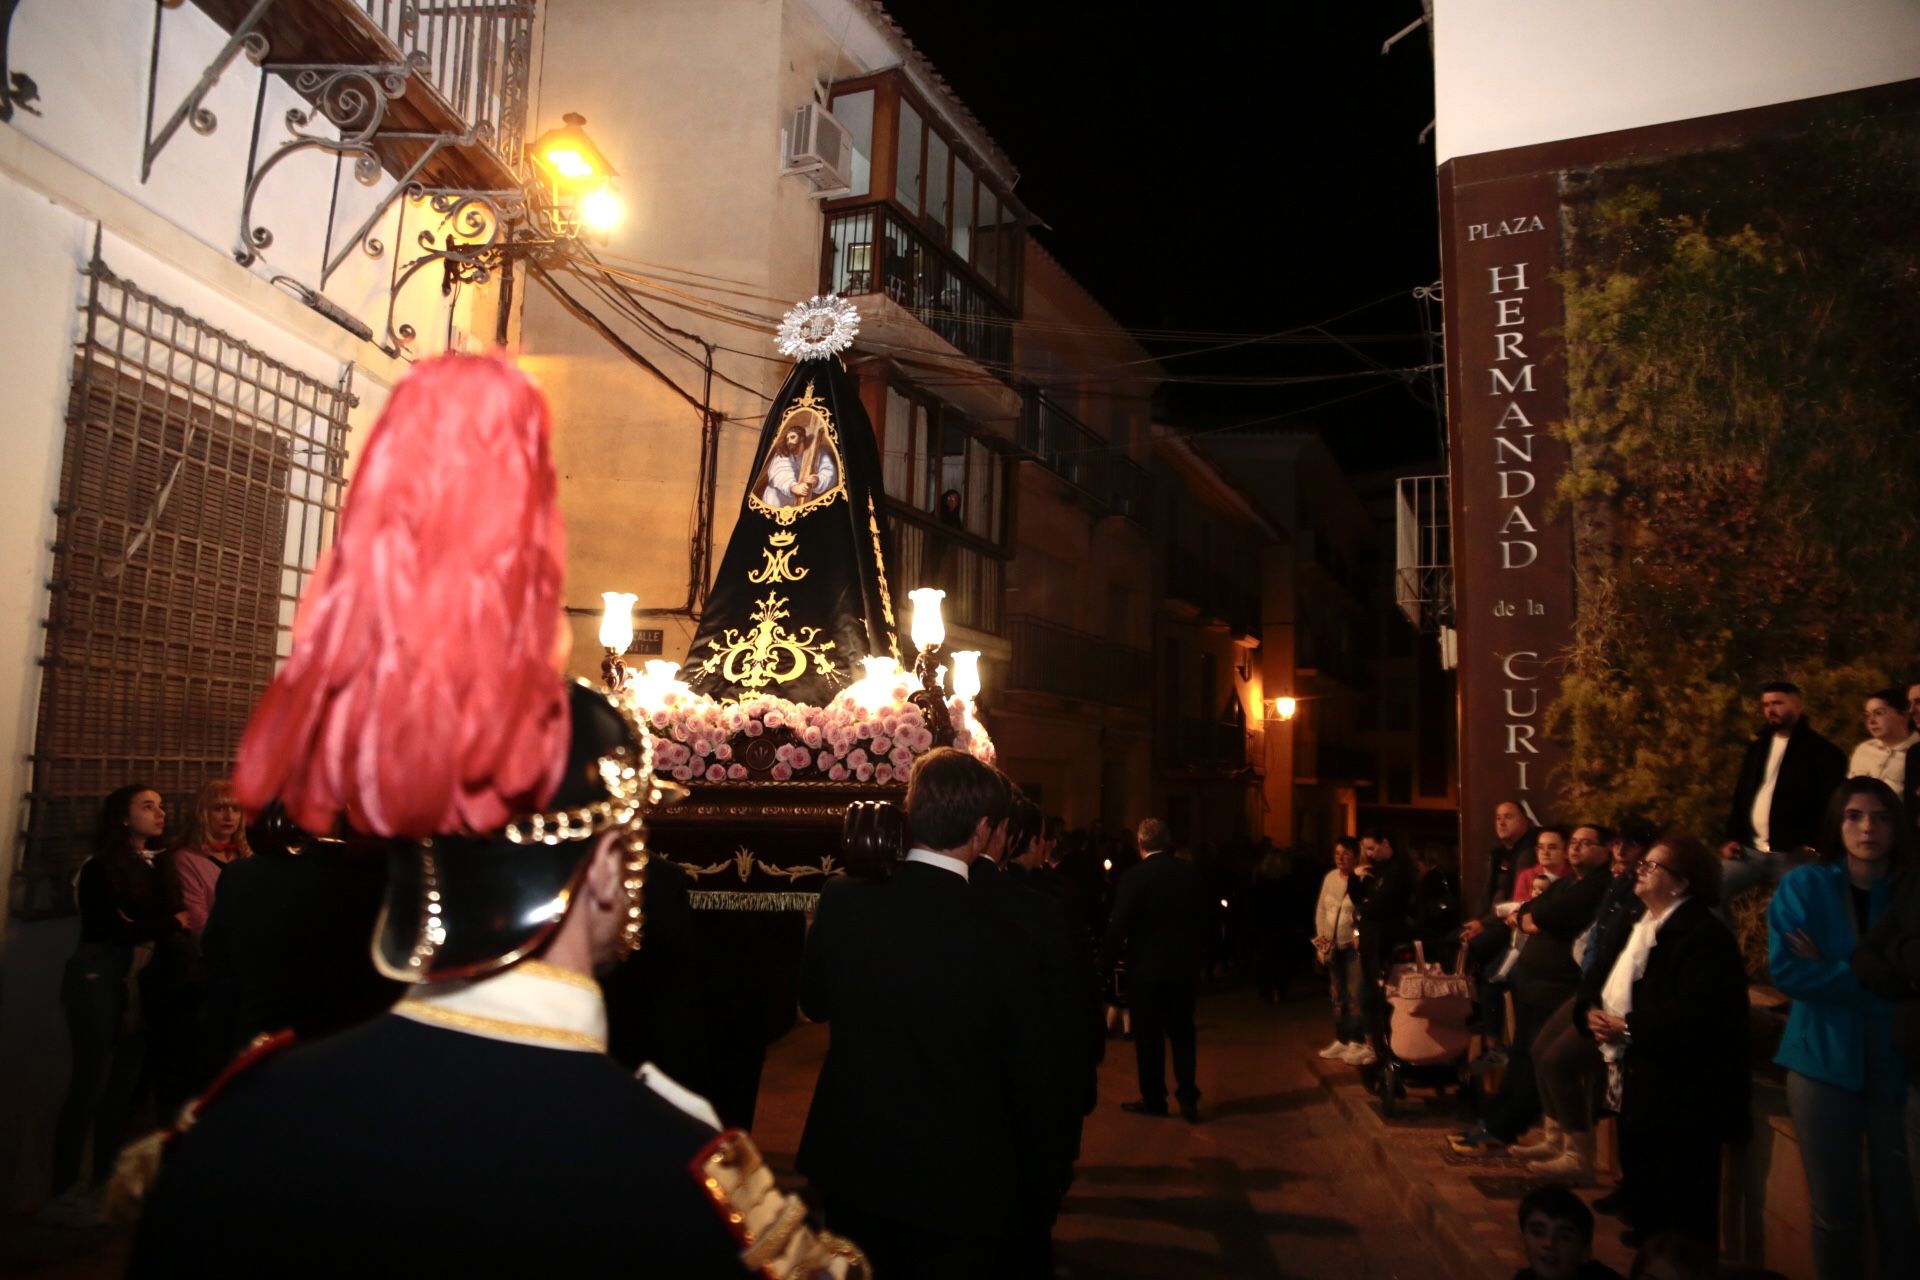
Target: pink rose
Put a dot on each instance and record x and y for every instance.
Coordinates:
(781, 773)
(883, 773)
(811, 735)
(882, 745)
(799, 757)
(781, 752)
(716, 773)
(659, 718)
(736, 771)
(755, 728)
(889, 724)
(702, 746)
(838, 773)
(723, 752)
(901, 758)
(775, 720)
(863, 773)
(681, 773)
(857, 758)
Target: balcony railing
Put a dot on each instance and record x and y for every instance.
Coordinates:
(926, 554)
(467, 64)
(1064, 445)
(1128, 482)
(1423, 560)
(1049, 658)
(873, 249)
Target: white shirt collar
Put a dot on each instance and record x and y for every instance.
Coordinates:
(531, 1003)
(920, 853)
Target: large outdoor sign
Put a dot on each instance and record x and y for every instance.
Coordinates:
(1513, 560)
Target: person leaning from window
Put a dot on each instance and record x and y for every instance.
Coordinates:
(1846, 1088)
(1671, 1020)
(1887, 963)
(123, 913)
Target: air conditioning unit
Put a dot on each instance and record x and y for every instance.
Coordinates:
(820, 149)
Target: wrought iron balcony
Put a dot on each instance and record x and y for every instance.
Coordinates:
(872, 249)
(928, 554)
(438, 92)
(1423, 559)
(1049, 658)
(1064, 445)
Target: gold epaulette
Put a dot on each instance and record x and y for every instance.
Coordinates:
(139, 1162)
(770, 1225)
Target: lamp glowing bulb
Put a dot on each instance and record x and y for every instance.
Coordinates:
(616, 622)
(929, 628)
(1284, 708)
(966, 673)
(569, 164)
(601, 210)
(1107, 864)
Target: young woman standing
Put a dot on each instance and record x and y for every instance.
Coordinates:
(123, 911)
(1846, 1085)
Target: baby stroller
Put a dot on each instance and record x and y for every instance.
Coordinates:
(1429, 1043)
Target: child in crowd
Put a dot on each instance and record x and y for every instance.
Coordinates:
(1556, 1233)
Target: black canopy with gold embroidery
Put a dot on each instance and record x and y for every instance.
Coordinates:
(802, 593)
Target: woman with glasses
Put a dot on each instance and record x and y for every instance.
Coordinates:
(1671, 1020)
(1846, 1086)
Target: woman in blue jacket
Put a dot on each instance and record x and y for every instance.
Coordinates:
(1845, 1081)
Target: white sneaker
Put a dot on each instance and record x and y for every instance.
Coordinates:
(1361, 1055)
(1336, 1050)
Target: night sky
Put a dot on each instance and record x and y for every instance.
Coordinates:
(1228, 169)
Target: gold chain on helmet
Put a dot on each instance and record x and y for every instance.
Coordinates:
(627, 773)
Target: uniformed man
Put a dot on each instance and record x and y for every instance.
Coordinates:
(479, 1127)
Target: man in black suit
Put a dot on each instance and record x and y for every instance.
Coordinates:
(930, 1117)
(1159, 926)
(1786, 779)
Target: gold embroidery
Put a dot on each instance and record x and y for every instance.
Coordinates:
(779, 566)
(817, 444)
(768, 654)
(498, 1028)
(880, 568)
(768, 1224)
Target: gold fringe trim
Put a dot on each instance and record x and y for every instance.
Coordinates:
(554, 973)
(720, 900)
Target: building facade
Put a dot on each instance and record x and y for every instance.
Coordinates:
(232, 226)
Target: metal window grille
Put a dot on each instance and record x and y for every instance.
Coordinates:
(199, 483)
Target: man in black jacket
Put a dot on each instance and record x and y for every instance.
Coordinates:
(1486, 935)
(1159, 926)
(1887, 963)
(1382, 888)
(931, 1115)
(1786, 779)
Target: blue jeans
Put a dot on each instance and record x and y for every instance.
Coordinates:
(1343, 982)
(1753, 868)
(1833, 1124)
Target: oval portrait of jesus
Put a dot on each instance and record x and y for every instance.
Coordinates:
(803, 467)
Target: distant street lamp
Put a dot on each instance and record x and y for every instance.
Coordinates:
(1284, 708)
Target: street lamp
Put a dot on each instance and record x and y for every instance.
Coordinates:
(1284, 708)
(616, 635)
(929, 632)
(579, 178)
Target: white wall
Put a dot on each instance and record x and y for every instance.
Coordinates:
(1512, 74)
(90, 59)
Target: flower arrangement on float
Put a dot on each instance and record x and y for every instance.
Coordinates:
(870, 733)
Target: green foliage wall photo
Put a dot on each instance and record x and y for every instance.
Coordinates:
(1743, 364)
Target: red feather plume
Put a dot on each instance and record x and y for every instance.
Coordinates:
(423, 696)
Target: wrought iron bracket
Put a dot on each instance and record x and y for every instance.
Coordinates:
(191, 111)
